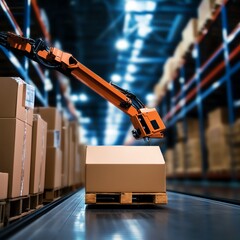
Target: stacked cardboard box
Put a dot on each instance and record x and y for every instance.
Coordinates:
(82, 154)
(179, 157)
(219, 155)
(193, 156)
(125, 169)
(193, 147)
(53, 173)
(190, 33)
(234, 138)
(4, 185)
(38, 156)
(65, 151)
(74, 159)
(16, 117)
(169, 159)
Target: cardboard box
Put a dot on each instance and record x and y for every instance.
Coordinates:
(52, 116)
(219, 116)
(179, 157)
(82, 148)
(190, 32)
(218, 134)
(169, 159)
(38, 156)
(192, 129)
(65, 152)
(15, 152)
(205, 11)
(71, 161)
(53, 173)
(4, 185)
(125, 169)
(193, 155)
(16, 99)
(54, 138)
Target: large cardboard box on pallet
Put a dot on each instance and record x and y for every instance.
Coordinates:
(125, 169)
(53, 173)
(16, 99)
(51, 115)
(38, 156)
(4, 185)
(15, 152)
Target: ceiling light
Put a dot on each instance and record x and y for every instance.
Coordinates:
(116, 78)
(143, 31)
(83, 97)
(122, 44)
(135, 52)
(129, 78)
(74, 98)
(150, 97)
(131, 68)
(140, 6)
(138, 44)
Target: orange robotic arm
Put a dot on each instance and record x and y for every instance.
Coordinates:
(146, 121)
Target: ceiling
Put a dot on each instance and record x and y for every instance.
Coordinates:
(91, 29)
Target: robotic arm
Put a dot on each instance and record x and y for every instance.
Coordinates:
(146, 121)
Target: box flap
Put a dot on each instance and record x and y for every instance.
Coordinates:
(124, 155)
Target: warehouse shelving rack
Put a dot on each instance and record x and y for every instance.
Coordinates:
(210, 69)
(18, 17)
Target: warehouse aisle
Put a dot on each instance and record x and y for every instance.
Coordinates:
(185, 217)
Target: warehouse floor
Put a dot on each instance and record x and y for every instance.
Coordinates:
(185, 217)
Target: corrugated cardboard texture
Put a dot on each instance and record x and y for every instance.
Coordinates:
(52, 116)
(38, 156)
(125, 169)
(14, 135)
(4, 185)
(53, 173)
(12, 100)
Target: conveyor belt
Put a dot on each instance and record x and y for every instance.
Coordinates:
(185, 217)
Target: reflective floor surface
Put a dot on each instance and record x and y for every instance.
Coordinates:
(184, 217)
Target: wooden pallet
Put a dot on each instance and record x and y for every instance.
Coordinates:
(17, 208)
(126, 198)
(36, 200)
(51, 195)
(3, 205)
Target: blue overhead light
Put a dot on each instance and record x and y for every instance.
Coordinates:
(135, 52)
(83, 97)
(122, 44)
(74, 98)
(131, 68)
(116, 78)
(138, 44)
(144, 31)
(129, 78)
(140, 6)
